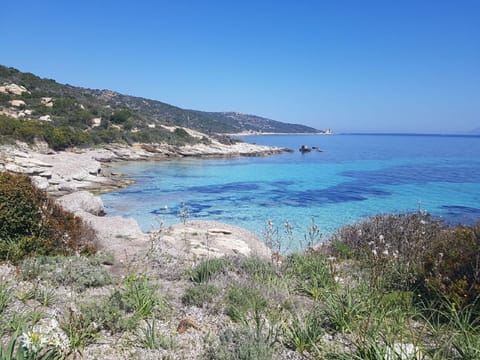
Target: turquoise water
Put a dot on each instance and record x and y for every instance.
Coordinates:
(353, 177)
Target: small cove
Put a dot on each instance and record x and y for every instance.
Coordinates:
(353, 177)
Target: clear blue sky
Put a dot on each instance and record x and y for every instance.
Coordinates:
(354, 65)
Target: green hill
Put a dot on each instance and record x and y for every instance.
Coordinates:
(92, 116)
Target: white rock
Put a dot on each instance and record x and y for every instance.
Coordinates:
(96, 122)
(40, 182)
(45, 118)
(67, 186)
(13, 89)
(17, 103)
(84, 201)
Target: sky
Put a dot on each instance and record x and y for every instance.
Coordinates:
(353, 66)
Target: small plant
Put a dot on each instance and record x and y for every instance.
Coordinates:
(303, 334)
(45, 295)
(142, 296)
(271, 237)
(208, 268)
(312, 273)
(260, 269)
(110, 314)
(245, 304)
(343, 309)
(240, 344)
(150, 338)
(79, 330)
(5, 296)
(200, 294)
(25, 294)
(184, 214)
(313, 235)
(79, 272)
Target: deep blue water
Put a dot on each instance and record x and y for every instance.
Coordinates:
(353, 177)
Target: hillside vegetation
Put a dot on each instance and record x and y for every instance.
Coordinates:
(70, 115)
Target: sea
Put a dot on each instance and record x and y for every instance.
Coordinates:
(347, 178)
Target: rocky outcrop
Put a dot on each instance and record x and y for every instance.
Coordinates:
(65, 172)
(17, 103)
(207, 239)
(82, 201)
(13, 89)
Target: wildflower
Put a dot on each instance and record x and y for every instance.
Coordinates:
(33, 341)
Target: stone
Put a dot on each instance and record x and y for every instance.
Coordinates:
(40, 182)
(17, 103)
(96, 122)
(83, 201)
(45, 118)
(13, 89)
(47, 101)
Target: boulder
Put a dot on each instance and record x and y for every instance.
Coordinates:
(13, 89)
(17, 103)
(82, 201)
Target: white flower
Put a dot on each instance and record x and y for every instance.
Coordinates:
(33, 341)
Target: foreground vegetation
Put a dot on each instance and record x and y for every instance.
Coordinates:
(389, 287)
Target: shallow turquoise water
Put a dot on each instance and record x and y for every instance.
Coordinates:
(355, 176)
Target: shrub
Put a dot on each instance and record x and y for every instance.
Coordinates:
(32, 224)
(78, 271)
(451, 266)
(391, 247)
(120, 116)
(198, 295)
(109, 314)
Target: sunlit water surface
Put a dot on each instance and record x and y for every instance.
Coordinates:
(353, 177)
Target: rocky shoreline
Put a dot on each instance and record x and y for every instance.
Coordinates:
(73, 176)
(64, 172)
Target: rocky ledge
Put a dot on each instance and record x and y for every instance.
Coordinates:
(193, 240)
(60, 173)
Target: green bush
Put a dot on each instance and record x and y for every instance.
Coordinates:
(120, 117)
(32, 224)
(451, 268)
(244, 303)
(198, 295)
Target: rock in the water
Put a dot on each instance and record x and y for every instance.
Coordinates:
(82, 201)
